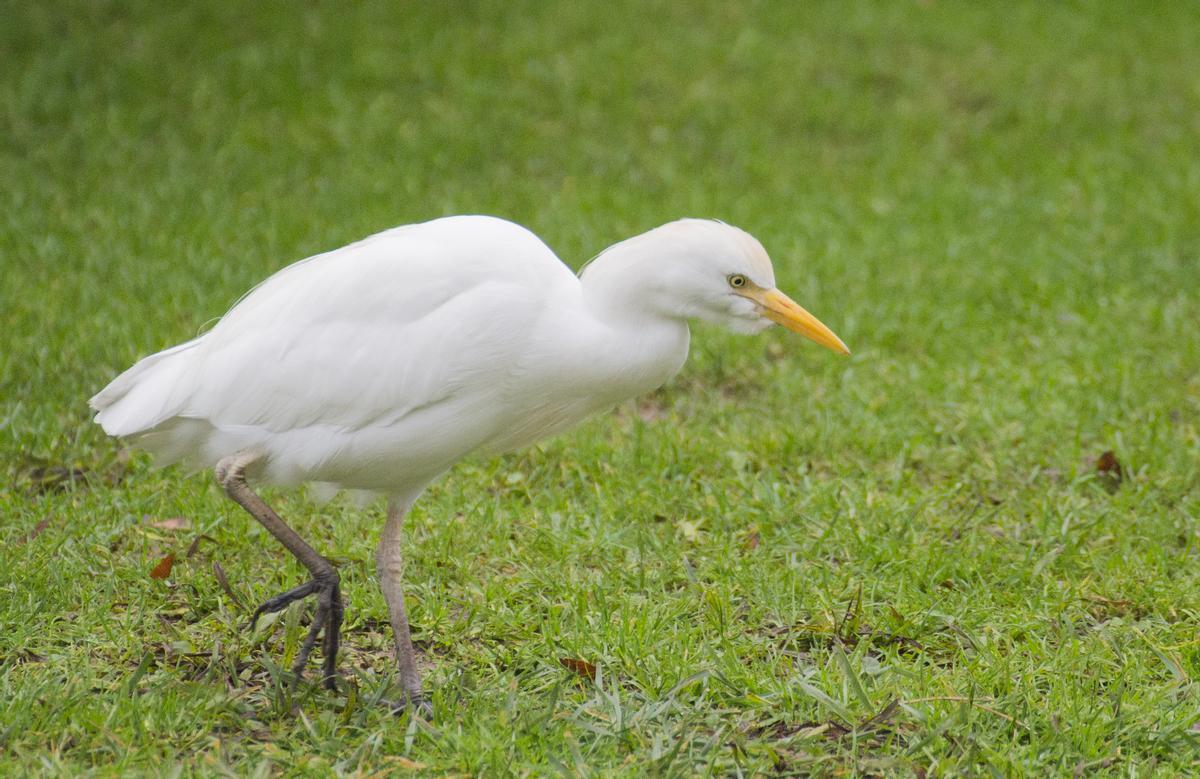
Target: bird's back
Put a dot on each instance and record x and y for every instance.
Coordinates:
(375, 362)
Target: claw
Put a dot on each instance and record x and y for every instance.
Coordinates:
(414, 702)
(282, 601)
(328, 617)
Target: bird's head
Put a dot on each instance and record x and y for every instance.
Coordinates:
(704, 269)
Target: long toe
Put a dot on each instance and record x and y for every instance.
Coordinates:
(282, 601)
(333, 637)
(417, 703)
(327, 618)
(320, 618)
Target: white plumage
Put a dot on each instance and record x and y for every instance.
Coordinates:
(358, 367)
(376, 366)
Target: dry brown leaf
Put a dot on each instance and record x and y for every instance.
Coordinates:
(163, 569)
(884, 715)
(37, 530)
(174, 523)
(651, 410)
(1107, 465)
(222, 580)
(581, 667)
(195, 545)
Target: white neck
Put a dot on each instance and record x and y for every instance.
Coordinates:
(622, 288)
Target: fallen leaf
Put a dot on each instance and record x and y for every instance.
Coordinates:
(1117, 602)
(37, 530)
(219, 572)
(651, 410)
(174, 523)
(1050, 474)
(1109, 468)
(884, 715)
(581, 667)
(52, 478)
(195, 545)
(163, 569)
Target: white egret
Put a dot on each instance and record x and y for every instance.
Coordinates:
(375, 367)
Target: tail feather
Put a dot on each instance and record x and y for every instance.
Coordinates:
(146, 395)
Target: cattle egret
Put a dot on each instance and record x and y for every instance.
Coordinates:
(375, 367)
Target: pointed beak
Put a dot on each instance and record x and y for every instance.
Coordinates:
(781, 309)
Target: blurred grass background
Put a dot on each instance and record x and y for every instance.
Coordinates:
(996, 205)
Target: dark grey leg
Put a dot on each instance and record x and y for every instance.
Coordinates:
(325, 583)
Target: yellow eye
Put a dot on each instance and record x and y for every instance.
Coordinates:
(737, 280)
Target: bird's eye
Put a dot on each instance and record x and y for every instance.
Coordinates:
(737, 280)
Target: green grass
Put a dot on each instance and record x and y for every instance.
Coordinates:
(903, 562)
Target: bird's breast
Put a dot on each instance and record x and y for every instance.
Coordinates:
(583, 374)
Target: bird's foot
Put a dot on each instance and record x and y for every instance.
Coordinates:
(328, 617)
(415, 702)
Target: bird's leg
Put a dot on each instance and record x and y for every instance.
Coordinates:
(389, 562)
(325, 583)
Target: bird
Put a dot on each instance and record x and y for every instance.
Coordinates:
(374, 367)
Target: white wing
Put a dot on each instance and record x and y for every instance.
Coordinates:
(342, 360)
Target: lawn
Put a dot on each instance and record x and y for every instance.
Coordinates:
(903, 562)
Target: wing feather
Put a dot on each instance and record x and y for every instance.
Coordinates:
(338, 357)
(366, 334)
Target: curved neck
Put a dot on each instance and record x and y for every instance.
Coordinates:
(643, 335)
(620, 292)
